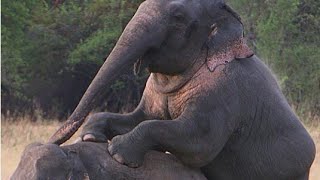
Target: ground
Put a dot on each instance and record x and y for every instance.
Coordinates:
(15, 136)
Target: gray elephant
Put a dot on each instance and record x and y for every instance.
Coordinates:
(87, 160)
(209, 100)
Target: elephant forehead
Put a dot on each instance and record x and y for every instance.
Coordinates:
(149, 9)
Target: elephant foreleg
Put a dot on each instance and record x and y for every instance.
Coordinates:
(195, 143)
(103, 126)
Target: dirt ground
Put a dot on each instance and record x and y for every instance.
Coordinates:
(15, 136)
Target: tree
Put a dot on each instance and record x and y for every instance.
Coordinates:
(286, 36)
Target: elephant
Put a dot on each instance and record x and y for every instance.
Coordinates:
(87, 160)
(209, 100)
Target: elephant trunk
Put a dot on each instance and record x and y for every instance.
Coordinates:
(142, 33)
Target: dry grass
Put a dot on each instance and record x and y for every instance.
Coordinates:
(15, 136)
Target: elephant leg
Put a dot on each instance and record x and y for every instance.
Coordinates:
(190, 143)
(103, 126)
(194, 137)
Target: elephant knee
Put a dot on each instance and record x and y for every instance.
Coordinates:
(96, 120)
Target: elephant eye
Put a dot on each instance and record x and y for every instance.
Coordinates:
(177, 13)
(179, 17)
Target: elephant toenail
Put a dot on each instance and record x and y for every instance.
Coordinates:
(118, 158)
(89, 137)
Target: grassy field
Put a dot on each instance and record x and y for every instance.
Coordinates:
(15, 136)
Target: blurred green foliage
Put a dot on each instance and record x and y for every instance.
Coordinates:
(286, 35)
(51, 51)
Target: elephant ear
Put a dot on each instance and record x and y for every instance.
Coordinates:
(226, 40)
(238, 50)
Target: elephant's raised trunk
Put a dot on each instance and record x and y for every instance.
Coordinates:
(142, 32)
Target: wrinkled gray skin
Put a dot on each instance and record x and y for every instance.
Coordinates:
(92, 161)
(233, 122)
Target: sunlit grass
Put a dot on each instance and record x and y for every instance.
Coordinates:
(16, 135)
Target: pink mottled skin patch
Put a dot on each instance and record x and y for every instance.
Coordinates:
(171, 105)
(237, 50)
(201, 84)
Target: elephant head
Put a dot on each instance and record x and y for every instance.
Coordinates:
(167, 37)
